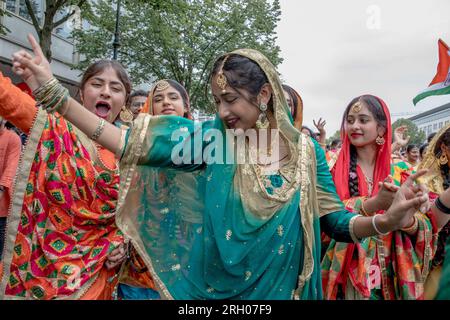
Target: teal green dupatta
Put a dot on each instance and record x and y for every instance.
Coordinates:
(214, 231)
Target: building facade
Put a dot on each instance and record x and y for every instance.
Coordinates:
(432, 120)
(20, 25)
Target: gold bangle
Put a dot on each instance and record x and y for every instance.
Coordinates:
(413, 227)
(98, 131)
(63, 111)
(363, 210)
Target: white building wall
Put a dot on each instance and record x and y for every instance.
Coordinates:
(433, 122)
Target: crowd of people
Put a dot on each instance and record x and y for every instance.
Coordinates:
(100, 207)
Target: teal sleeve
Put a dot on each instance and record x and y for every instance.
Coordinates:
(335, 220)
(337, 225)
(179, 143)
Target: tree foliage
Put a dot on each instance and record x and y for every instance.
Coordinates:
(416, 136)
(179, 39)
(336, 135)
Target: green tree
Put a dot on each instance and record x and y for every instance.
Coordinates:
(336, 135)
(52, 8)
(180, 39)
(416, 136)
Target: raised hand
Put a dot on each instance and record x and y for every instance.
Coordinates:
(320, 125)
(408, 200)
(386, 193)
(34, 70)
(400, 136)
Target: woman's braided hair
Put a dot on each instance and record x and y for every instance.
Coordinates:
(353, 178)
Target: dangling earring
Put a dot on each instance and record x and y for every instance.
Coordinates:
(125, 115)
(262, 122)
(443, 159)
(380, 141)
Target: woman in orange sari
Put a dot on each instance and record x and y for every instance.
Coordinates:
(61, 226)
(391, 265)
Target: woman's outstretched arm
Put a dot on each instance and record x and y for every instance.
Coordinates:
(36, 72)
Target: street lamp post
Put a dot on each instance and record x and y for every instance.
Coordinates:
(116, 43)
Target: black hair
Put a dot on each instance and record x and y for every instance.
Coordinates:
(294, 98)
(242, 73)
(353, 185)
(431, 136)
(444, 139)
(375, 107)
(138, 93)
(335, 143)
(410, 147)
(422, 149)
(183, 93)
(311, 133)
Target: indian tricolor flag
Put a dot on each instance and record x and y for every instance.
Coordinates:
(441, 82)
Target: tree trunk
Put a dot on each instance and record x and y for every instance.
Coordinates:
(46, 42)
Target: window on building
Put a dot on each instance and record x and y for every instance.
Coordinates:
(440, 125)
(429, 128)
(447, 121)
(19, 8)
(65, 30)
(11, 5)
(435, 126)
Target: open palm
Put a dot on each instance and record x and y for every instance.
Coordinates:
(399, 135)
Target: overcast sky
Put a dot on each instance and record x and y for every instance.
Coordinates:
(334, 51)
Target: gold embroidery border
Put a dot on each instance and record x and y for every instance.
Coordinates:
(15, 211)
(19, 189)
(307, 213)
(128, 169)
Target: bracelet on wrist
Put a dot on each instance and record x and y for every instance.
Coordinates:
(363, 210)
(441, 206)
(52, 95)
(376, 228)
(413, 227)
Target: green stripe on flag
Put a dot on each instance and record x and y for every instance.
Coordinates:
(438, 92)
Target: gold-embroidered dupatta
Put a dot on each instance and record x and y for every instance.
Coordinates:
(216, 232)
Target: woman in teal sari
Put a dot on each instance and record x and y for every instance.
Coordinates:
(227, 229)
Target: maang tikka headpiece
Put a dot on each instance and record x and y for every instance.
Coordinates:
(356, 108)
(162, 85)
(221, 79)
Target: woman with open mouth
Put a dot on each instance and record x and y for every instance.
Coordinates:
(62, 240)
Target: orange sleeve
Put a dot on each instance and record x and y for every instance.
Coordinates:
(12, 160)
(16, 106)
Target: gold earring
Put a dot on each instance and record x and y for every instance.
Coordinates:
(262, 122)
(380, 141)
(125, 115)
(443, 159)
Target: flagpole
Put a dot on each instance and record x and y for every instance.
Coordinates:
(116, 43)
